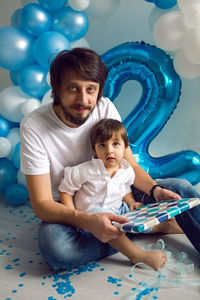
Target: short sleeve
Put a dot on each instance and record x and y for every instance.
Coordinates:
(108, 110)
(33, 156)
(74, 178)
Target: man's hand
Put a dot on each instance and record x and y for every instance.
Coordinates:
(164, 194)
(135, 205)
(100, 225)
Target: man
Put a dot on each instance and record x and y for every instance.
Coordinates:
(58, 135)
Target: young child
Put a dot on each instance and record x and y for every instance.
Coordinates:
(104, 185)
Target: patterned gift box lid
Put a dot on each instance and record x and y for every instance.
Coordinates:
(149, 215)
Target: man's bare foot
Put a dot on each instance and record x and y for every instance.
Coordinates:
(155, 260)
(168, 226)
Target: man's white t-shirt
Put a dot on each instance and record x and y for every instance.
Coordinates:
(92, 186)
(48, 145)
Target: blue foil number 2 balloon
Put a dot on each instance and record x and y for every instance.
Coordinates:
(161, 88)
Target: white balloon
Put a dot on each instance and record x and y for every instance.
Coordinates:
(169, 31)
(5, 147)
(102, 8)
(184, 67)
(191, 46)
(30, 105)
(156, 13)
(80, 43)
(47, 98)
(21, 178)
(11, 100)
(79, 4)
(184, 4)
(14, 136)
(192, 15)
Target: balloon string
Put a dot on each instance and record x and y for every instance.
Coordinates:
(181, 265)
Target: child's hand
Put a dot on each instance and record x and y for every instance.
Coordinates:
(135, 205)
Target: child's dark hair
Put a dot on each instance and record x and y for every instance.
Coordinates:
(103, 130)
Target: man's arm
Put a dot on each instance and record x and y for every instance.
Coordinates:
(145, 183)
(48, 210)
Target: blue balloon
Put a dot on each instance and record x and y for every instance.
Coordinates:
(8, 174)
(17, 194)
(15, 18)
(35, 19)
(16, 155)
(16, 48)
(32, 80)
(53, 5)
(51, 43)
(14, 76)
(154, 70)
(4, 127)
(73, 24)
(164, 4)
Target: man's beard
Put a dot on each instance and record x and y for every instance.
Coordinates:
(75, 120)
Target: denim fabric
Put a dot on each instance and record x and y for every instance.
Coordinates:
(65, 247)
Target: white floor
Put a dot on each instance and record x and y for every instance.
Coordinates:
(24, 275)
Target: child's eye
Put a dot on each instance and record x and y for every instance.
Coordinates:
(116, 143)
(102, 146)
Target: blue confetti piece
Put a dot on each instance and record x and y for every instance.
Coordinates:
(9, 267)
(113, 280)
(116, 293)
(16, 259)
(22, 274)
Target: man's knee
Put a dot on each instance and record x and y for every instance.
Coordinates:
(58, 245)
(180, 186)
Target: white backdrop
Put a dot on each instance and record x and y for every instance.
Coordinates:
(131, 23)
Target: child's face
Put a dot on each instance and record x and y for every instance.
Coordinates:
(111, 152)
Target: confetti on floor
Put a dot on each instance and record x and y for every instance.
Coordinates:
(25, 275)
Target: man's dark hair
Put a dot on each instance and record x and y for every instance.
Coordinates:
(103, 130)
(85, 62)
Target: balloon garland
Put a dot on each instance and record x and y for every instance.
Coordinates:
(38, 31)
(176, 29)
(153, 68)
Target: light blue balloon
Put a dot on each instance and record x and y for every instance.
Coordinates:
(8, 174)
(17, 194)
(15, 18)
(16, 48)
(35, 19)
(73, 24)
(16, 156)
(53, 5)
(48, 45)
(4, 127)
(14, 76)
(153, 69)
(32, 80)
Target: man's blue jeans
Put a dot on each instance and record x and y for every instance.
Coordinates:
(65, 247)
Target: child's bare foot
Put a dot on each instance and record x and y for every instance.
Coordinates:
(155, 260)
(168, 226)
